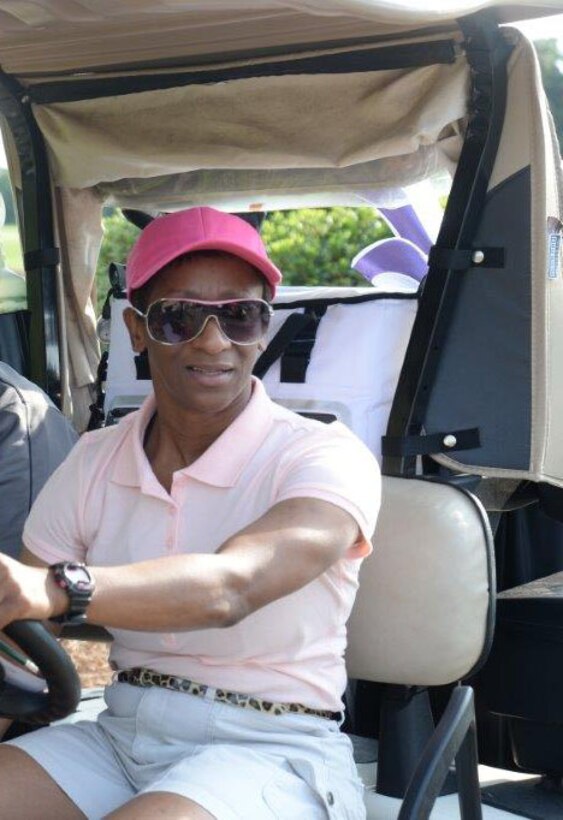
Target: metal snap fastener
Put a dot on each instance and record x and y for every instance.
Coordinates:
(330, 798)
(478, 257)
(449, 441)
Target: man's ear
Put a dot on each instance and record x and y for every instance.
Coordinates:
(136, 328)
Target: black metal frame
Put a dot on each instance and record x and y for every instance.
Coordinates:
(455, 738)
(487, 54)
(35, 215)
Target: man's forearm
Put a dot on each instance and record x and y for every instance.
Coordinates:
(177, 592)
(174, 593)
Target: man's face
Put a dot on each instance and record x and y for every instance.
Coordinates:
(209, 374)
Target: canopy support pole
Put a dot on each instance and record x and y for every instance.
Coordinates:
(35, 216)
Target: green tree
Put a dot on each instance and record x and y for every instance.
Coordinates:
(551, 62)
(315, 246)
(119, 236)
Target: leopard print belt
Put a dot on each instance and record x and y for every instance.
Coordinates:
(146, 677)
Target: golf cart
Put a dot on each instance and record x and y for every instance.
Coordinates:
(453, 380)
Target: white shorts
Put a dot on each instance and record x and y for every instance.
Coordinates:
(239, 764)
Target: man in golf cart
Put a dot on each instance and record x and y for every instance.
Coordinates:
(218, 537)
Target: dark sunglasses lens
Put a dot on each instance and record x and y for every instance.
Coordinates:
(173, 321)
(244, 322)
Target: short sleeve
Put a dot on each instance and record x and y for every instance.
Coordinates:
(53, 530)
(333, 465)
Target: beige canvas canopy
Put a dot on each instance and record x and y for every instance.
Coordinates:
(66, 36)
(247, 105)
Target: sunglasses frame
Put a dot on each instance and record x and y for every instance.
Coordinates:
(206, 303)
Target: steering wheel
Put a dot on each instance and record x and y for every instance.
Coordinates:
(55, 666)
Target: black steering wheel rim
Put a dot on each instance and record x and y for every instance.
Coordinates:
(63, 684)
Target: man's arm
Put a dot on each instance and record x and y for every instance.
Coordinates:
(285, 549)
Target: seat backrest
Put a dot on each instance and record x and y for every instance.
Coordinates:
(424, 612)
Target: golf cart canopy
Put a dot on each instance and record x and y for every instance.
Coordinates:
(65, 37)
(253, 105)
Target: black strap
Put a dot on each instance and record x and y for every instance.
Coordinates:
(285, 335)
(116, 275)
(97, 408)
(142, 367)
(42, 258)
(463, 259)
(450, 441)
(297, 355)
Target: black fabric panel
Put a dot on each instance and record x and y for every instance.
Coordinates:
(528, 545)
(484, 376)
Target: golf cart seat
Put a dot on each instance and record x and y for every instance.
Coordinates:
(423, 617)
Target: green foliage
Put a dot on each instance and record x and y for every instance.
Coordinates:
(119, 236)
(551, 62)
(310, 246)
(316, 246)
(8, 197)
(11, 247)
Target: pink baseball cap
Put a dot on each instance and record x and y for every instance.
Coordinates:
(196, 229)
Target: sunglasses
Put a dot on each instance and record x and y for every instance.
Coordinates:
(175, 321)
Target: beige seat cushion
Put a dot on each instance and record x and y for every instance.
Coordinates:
(424, 608)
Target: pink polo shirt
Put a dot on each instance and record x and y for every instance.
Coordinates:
(104, 506)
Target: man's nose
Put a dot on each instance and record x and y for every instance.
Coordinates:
(211, 338)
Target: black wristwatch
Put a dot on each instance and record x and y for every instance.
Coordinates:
(79, 585)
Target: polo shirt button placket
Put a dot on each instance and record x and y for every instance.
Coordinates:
(170, 540)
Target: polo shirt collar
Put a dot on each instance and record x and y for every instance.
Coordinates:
(131, 465)
(223, 461)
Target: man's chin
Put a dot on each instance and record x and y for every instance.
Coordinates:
(214, 401)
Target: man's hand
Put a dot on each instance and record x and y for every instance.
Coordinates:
(28, 593)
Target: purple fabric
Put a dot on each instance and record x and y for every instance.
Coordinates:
(395, 254)
(405, 222)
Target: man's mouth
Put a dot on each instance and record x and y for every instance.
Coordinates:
(209, 371)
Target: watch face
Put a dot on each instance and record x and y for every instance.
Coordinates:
(78, 577)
